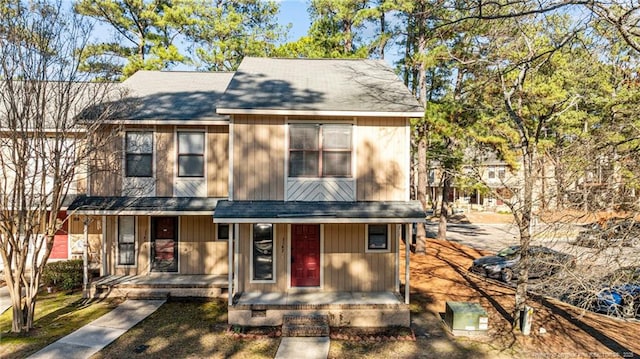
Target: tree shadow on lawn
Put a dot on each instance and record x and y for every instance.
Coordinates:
(187, 328)
(562, 321)
(56, 324)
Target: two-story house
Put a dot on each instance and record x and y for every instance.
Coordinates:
(287, 180)
(319, 190)
(151, 195)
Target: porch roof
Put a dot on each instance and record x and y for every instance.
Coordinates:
(318, 212)
(143, 205)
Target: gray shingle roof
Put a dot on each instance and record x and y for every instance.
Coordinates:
(166, 96)
(318, 212)
(143, 205)
(319, 85)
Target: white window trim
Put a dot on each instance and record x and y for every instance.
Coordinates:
(154, 150)
(366, 240)
(302, 289)
(135, 243)
(354, 153)
(205, 132)
(217, 233)
(275, 264)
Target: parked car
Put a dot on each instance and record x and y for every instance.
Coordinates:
(505, 264)
(625, 232)
(620, 297)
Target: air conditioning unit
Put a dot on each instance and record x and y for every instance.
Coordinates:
(465, 318)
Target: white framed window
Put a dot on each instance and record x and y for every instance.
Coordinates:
(320, 150)
(491, 172)
(126, 241)
(223, 231)
(377, 238)
(191, 154)
(263, 260)
(139, 154)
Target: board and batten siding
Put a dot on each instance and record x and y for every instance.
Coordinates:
(143, 263)
(165, 160)
(199, 252)
(218, 161)
(347, 268)
(258, 157)
(280, 253)
(382, 151)
(106, 167)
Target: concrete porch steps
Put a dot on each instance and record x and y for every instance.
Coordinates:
(148, 295)
(305, 326)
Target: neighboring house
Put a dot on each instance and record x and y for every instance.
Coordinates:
(290, 189)
(151, 197)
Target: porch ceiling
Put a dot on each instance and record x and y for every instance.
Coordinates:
(319, 212)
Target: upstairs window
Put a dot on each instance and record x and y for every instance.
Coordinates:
(139, 154)
(190, 154)
(320, 150)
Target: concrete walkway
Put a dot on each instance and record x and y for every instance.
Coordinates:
(303, 348)
(94, 336)
(5, 299)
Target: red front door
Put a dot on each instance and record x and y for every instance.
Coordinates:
(60, 248)
(305, 255)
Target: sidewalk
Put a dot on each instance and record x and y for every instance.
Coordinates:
(303, 348)
(5, 299)
(94, 336)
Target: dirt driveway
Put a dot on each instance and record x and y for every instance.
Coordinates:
(558, 331)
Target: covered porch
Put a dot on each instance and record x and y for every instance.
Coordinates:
(319, 259)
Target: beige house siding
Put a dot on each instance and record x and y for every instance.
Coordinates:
(76, 237)
(258, 157)
(382, 174)
(280, 253)
(199, 252)
(165, 160)
(218, 161)
(106, 169)
(345, 265)
(260, 154)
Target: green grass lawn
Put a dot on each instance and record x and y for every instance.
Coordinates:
(187, 329)
(57, 314)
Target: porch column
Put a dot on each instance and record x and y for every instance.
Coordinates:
(230, 279)
(406, 264)
(396, 263)
(85, 259)
(103, 247)
(236, 251)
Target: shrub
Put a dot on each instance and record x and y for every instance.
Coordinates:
(63, 275)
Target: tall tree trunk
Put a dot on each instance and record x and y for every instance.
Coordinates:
(421, 235)
(524, 227)
(421, 41)
(444, 206)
